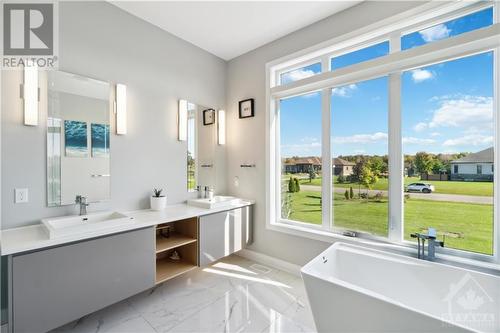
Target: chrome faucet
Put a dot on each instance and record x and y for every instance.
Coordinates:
(82, 201)
(430, 236)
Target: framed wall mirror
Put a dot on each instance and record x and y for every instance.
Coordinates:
(78, 138)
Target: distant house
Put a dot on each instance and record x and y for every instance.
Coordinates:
(342, 167)
(302, 164)
(474, 167)
(305, 164)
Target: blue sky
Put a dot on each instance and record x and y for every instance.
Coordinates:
(446, 107)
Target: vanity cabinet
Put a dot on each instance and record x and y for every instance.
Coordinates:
(52, 287)
(224, 233)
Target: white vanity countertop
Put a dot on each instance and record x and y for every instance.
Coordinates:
(34, 237)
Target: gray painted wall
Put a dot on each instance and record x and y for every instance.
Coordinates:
(99, 40)
(246, 138)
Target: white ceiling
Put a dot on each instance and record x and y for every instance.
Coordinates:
(229, 29)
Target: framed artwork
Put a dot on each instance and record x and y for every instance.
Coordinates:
(75, 138)
(246, 108)
(99, 138)
(208, 117)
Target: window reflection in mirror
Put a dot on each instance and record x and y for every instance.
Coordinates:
(78, 133)
(191, 147)
(201, 142)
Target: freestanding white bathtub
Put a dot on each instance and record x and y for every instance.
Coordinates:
(357, 289)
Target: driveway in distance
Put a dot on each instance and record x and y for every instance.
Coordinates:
(422, 196)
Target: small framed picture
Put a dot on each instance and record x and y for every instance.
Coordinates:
(246, 108)
(208, 117)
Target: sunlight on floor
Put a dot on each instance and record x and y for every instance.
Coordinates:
(244, 277)
(232, 267)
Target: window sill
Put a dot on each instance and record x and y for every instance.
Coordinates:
(407, 250)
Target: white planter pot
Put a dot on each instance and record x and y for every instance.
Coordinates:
(158, 203)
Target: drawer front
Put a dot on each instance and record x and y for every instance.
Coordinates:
(53, 287)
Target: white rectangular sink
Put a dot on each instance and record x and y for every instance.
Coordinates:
(219, 201)
(73, 225)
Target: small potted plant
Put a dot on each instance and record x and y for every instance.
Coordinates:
(158, 201)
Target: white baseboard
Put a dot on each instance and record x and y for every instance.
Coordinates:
(270, 261)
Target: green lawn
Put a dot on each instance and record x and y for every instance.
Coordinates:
(448, 187)
(473, 222)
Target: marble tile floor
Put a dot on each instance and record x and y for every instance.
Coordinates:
(232, 295)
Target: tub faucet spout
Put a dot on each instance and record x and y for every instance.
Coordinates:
(432, 243)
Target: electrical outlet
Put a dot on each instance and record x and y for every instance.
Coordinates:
(21, 195)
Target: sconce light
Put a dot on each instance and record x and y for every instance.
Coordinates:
(221, 127)
(182, 120)
(30, 95)
(121, 109)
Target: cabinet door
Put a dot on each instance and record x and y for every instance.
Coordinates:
(224, 233)
(53, 287)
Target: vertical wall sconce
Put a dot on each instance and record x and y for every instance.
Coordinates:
(221, 127)
(121, 109)
(30, 93)
(182, 120)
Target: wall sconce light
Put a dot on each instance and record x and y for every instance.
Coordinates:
(221, 127)
(121, 109)
(31, 95)
(182, 120)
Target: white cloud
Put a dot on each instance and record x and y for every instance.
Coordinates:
(420, 127)
(437, 32)
(309, 139)
(361, 138)
(304, 148)
(467, 111)
(345, 91)
(418, 141)
(420, 75)
(295, 75)
(474, 140)
(434, 134)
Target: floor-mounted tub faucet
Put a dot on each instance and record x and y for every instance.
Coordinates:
(430, 236)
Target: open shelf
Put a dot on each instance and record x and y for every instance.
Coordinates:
(183, 239)
(167, 269)
(173, 241)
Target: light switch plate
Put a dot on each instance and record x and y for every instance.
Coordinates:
(21, 195)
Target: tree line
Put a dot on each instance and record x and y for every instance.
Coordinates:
(421, 162)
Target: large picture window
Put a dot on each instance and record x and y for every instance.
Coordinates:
(447, 123)
(300, 150)
(396, 142)
(359, 120)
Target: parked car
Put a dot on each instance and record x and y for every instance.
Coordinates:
(420, 187)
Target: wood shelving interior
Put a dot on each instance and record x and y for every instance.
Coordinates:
(183, 238)
(175, 240)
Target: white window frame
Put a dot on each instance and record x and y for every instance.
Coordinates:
(392, 66)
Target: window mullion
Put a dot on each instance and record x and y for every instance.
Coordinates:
(326, 152)
(395, 233)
